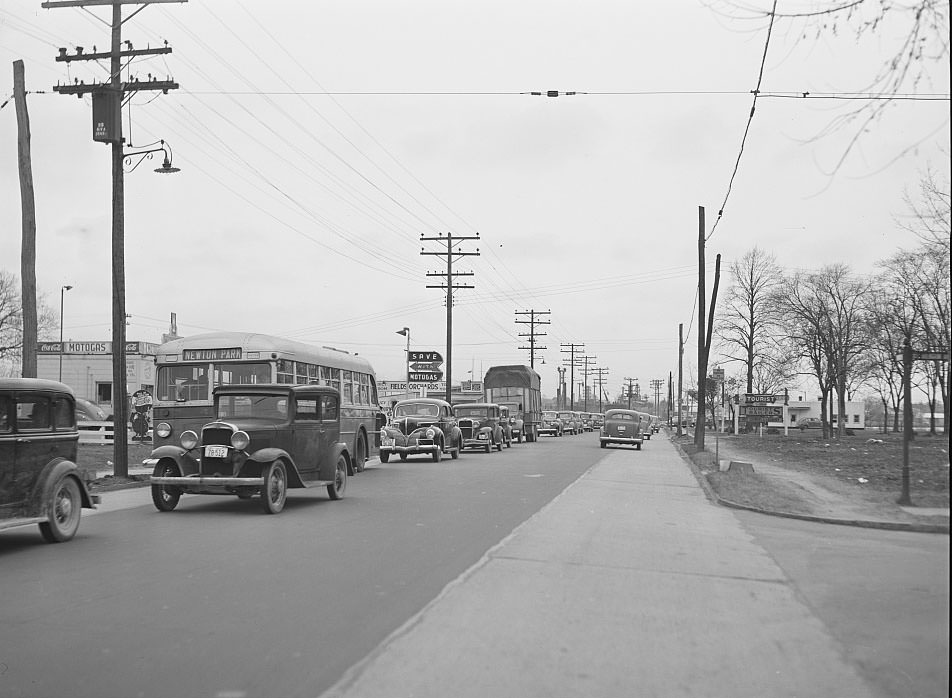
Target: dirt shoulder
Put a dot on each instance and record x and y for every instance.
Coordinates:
(854, 478)
(94, 459)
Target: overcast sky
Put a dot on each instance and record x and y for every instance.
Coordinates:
(319, 140)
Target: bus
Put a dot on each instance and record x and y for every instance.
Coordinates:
(517, 387)
(189, 368)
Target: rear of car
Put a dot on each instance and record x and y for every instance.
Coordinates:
(621, 427)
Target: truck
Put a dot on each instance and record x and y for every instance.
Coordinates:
(518, 388)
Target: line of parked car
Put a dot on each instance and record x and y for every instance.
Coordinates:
(560, 423)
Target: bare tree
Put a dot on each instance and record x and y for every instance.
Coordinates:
(11, 322)
(913, 33)
(828, 319)
(747, 322)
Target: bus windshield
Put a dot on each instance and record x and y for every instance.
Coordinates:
(187, 382)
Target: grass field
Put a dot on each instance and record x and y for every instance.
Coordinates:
(867, 466)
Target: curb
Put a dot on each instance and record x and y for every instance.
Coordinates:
(860, 523)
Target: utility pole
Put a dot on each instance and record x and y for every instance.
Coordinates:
(450, 255)
(532, 334)
(670, 396)
(680, 371)
(704, 331)
(656, 386)
(602, 374)
(28, 224)
(108, 100)
(630, 382)
(560, 402)
(572, 350)
(585, 372)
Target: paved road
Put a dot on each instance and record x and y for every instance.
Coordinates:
(883, 594)
(217, 599)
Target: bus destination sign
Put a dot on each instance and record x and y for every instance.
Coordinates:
(224, 354)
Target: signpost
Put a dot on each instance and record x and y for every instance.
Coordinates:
(424, 367)
(908, 356)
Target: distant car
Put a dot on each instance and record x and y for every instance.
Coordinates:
(571, 422)
(809, 423)
(265, 440)
(551, 424)
(40, 482)
(421, 426)
(512, 425)
(622, 427)
(481, 426)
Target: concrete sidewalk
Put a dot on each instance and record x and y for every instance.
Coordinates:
(629, 583)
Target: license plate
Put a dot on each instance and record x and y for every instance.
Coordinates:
(216, 451)
(621, 428)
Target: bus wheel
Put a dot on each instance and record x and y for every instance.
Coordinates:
(360, 458)
(274, 491)
(165, 497)
(336, 489)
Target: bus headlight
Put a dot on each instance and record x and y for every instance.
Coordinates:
(240, 440)
(189, 440)
(163, 430)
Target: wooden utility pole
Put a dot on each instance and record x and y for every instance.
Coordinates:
(28, 222)
(451, 254)
(573, 349)
(680, 371)
(532, 334)
(701, 334)
(114, 92)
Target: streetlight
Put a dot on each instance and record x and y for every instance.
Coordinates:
(406, 331)
(63, 290)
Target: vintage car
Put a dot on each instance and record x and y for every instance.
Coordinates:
(512, 424)
(481, 426)
(571, 422)
(646, 430)
(622, 427)
(598, 419)
(551, 424)
(40, 482)
(265, 439)
(421, 425)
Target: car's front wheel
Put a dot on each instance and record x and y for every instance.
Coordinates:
(438, 453)
(165, 497)
(336, 489)
(274, 491)
(62, 513)
(384, 456)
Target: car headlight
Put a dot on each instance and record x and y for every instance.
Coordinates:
(430, 433)
(240, 440)
(163, 430)
(384, 434)
(189, 440)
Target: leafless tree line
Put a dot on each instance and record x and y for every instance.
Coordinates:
(11, 323)
(846, 331)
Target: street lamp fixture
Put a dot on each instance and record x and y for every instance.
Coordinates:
(63, 290)
(406, 332)
(147, 152)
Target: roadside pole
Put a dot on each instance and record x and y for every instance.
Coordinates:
(906, 418)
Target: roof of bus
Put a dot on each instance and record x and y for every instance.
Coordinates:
(253, 341)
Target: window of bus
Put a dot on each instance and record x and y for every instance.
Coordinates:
(285, 371)
(330, 376)
(347, 388)
(182, 382)
(364, 389)
(241, 374)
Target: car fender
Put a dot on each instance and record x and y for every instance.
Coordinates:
(187, 463)
(327, 471)
(269, 455)
(55, 469)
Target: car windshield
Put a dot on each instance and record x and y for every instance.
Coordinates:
(416, 409)
(549, 415)
(566, 415)
(472, 412)
(268, 407)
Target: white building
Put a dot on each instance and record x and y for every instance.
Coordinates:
(87, 368)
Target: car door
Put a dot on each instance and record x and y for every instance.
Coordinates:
(307, 434)
(330, 434)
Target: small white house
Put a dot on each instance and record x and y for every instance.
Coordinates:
(798, 410)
